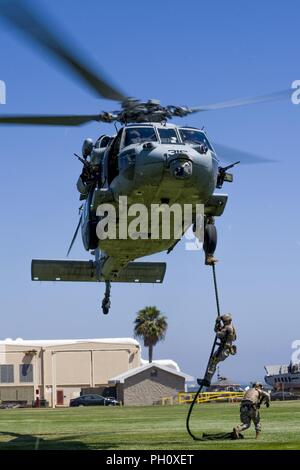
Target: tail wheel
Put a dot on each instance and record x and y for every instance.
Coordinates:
(210, 239)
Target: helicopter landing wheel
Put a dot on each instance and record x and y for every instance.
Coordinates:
(106, 299)
(210, 243)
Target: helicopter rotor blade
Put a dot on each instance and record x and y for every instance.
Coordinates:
(278, 95)
(48, 120)
(229, 154)
(74, 237)
(31, 24)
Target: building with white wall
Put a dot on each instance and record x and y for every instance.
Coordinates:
(57, 370)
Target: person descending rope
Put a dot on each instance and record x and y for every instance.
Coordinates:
(226, 334)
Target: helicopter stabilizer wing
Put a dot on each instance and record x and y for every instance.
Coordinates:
(85, 271)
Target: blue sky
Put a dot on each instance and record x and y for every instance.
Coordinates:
(189, 53)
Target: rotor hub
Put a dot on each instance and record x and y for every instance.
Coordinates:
(134, 110)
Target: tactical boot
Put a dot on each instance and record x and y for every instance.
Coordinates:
(210, 260)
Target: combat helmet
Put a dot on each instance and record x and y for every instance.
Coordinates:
(226, 317)
(257, 385)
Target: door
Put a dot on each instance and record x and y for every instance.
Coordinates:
(59, 397)
(98, 400)
(111, 158)
(88, 224)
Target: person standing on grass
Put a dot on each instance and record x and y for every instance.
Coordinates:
(253, 398)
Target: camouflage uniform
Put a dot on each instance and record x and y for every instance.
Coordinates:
(226, 335)
(250, 404)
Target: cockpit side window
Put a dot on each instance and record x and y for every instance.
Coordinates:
(194, 136)
(103, 141)
(168, 136)
(138, 135)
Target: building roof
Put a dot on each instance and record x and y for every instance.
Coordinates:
(137, 370)
(58, 342)
(163, 362)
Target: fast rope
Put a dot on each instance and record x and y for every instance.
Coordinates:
(202, 382)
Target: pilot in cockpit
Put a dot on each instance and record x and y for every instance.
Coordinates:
(133, 136)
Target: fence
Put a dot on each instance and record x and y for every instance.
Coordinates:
(205, 397)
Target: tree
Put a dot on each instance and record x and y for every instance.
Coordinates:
(152, 326)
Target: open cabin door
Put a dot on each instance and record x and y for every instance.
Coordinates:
(111, 161)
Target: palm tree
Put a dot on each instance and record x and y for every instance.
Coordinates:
(152, 326)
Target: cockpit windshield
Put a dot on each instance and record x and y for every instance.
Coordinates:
(168, 136)
(194, 136)
(137, 135)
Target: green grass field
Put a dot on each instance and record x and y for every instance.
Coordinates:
(157, 427)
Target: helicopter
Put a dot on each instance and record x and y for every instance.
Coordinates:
(149, 161)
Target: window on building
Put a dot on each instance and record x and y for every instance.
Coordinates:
(6, 373)
(26, 373)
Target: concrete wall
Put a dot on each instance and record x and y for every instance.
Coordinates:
(92, 365)
(146, 389)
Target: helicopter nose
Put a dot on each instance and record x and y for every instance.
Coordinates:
(181, 168)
